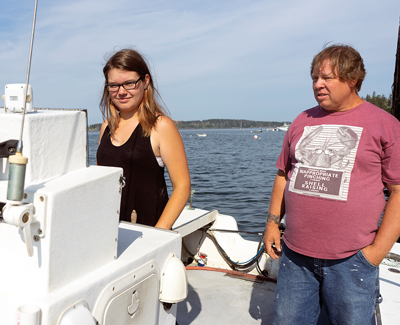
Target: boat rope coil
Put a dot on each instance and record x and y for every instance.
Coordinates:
(392, 260)
(235, 265)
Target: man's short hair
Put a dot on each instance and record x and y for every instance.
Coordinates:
(345, 59)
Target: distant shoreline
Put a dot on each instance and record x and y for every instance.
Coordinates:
(216, 124)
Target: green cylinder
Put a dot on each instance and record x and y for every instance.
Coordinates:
(16, 182)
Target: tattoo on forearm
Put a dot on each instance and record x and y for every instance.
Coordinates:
(273, 218)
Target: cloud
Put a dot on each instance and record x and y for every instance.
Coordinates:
(227, 59)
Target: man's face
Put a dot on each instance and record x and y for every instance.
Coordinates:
(331, 93)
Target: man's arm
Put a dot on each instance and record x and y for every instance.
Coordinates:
(275, 214)
(389, 231)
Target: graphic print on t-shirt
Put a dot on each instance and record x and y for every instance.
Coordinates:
(325, 157)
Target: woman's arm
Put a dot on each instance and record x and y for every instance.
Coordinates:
(167, 139)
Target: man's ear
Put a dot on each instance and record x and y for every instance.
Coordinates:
(352, 83)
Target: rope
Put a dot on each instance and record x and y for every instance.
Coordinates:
(392, 260)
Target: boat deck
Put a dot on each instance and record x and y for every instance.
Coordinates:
(217, 297)
(389, 280)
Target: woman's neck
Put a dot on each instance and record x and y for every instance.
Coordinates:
(127, 116)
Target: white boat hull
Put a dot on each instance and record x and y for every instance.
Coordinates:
(85, 264)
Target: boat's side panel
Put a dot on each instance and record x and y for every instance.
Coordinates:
(48, 143)
(81, 232)
(143, 255)
(192, 219)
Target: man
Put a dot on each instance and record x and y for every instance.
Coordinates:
(336, 160)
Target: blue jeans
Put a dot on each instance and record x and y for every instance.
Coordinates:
(347, 288)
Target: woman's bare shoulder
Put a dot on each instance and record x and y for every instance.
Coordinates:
(104, 125)
(164, 123)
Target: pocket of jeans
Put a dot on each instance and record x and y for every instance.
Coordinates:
(362, 257)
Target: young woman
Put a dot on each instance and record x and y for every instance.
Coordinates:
(138, 136)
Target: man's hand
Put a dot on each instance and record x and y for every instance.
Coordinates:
(272, 238)
(372, 255)
(389, 231)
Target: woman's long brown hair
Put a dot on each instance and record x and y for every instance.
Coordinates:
(149, 108)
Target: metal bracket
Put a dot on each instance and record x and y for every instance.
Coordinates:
(40, 204)
(39, 201)
(8, 148)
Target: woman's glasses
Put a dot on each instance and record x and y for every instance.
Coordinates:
(128, 85)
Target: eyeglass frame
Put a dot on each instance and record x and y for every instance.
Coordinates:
(119, 85)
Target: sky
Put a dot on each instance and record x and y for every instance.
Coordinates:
(210, 59)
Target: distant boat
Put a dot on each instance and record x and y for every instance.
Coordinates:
(284, 127)
(202, 135)
(260, 130)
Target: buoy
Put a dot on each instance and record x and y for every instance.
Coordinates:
(256, 137)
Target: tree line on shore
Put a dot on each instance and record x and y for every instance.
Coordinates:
(225, 124)
(379, 100)
(214, 124)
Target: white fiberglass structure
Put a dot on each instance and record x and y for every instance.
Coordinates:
(65, 257)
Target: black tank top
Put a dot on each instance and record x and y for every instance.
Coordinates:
(145, 190)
